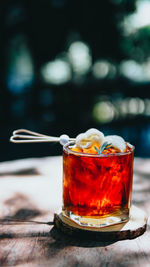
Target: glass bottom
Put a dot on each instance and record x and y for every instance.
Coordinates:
(95, 221)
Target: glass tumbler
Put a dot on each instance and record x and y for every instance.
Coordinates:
(97, 189)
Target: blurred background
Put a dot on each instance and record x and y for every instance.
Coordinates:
(66, 66)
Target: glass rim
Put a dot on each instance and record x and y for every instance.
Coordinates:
(69, 151)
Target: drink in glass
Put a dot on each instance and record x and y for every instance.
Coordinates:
(97, 188)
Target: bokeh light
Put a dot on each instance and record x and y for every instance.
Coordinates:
(140, 18)
(20, 74)
(102, 69)
(56, 72)
(135, 71)
(80, 57)
(104, 112)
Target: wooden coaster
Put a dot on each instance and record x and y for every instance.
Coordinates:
(135, 227)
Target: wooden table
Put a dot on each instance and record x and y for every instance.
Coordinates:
(30, 193)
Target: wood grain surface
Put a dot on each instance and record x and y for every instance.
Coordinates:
(30, 194)
(133, 228)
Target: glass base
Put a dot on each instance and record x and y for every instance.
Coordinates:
(96, 221)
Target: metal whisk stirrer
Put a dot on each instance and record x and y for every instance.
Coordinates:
(26, 136)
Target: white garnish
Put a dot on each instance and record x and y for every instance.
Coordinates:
(85, 140)
(115, 141)
(82, 141)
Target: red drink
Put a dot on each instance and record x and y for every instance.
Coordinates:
(97, 186)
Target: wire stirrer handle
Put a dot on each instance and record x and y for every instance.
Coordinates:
(27, 136)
